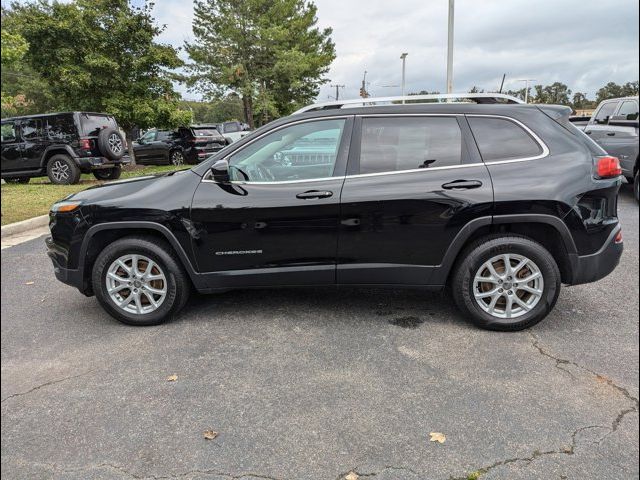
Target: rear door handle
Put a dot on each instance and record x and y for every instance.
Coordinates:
(611, 134)
(462, 185)
(314, 194)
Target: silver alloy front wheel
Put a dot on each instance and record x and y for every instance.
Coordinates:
(136, 284)
(508, 285)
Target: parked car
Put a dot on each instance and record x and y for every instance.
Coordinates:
(62, 146)
(233, 131)
(177, 147)
(614, 126)
(503, 203)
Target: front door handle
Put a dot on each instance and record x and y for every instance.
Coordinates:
(462, 184)
(314, 194)
(611, 134)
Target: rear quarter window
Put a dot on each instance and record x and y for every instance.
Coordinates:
(61, 128)
(92, 124)
(500, 139)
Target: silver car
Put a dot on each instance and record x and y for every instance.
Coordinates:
(614, 126)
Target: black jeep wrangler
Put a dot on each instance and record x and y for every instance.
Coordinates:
(502, 203)
(62, 146)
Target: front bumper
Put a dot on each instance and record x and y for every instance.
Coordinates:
(591, 268)
(65, 275)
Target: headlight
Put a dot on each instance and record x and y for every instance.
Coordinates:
(65, 206)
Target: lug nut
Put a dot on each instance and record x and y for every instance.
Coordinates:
(510, 292)
(501, 290)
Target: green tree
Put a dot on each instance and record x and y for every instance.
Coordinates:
(101, 55)
(215, 111)
(269, 52)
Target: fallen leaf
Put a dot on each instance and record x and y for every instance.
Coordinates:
(437, 437)
(172, 378)
(29, 283)
(210, 434)
(352, 476)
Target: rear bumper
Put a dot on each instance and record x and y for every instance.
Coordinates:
(590, 268)
(94, 163)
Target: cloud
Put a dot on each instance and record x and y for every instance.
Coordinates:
(583, 44)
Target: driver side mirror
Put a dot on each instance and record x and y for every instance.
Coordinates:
(220, 172)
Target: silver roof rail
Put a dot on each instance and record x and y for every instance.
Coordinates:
(375, 101)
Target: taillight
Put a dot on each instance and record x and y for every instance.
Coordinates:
(608, 167)
(618, 238)
(85, 144)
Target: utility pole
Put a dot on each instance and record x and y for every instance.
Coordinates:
(363, 88)
(526, 88)
(450, 48)
(337, 87)
(403, 57)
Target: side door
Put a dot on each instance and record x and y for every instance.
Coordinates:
(163, 145)
(11, 147)
(143, 147)
(598, 128)
(412, 184)
(276, 221)
(35, 142)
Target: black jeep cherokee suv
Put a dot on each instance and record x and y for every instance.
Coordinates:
(177, 147)
(501, 203)
(62, 146)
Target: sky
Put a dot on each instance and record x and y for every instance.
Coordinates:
(583, 43)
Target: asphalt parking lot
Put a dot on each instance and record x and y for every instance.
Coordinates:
(318, 384)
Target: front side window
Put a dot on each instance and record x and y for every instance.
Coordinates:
(32, 129)
(150, 136)
(9, 132)
(602, 116)
(500, 139)
(405, 143)
(304, 151)
(629, 110)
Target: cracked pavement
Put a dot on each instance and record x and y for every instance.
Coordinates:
(315, 384)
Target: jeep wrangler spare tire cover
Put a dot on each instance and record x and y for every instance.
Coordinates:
(111, 143)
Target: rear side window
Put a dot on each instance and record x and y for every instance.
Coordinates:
(230, 127)
(606, 110)
(61, 128)
(629, 109)
(500, 139)
(92, 124)
(164, 135)
(405, 143)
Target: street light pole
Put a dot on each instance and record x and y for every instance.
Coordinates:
(526, 88)
(403, 57)
(450, 48)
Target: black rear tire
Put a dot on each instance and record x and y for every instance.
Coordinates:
(160, 252)
(108, 173)
(63, 170)
(18, 180)
(471, 261)
(636, 187)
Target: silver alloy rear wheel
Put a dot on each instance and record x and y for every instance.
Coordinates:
(115, 143)
(508, 285)
(177, 158)
(136, 284)
(60, 171)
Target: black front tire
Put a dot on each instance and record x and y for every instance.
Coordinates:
(62, 170)
(18, 180)
(477, 254)
(108, 173)
(178, 283)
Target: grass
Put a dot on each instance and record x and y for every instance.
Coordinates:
(20, 202)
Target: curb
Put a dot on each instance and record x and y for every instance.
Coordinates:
(24, 225)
